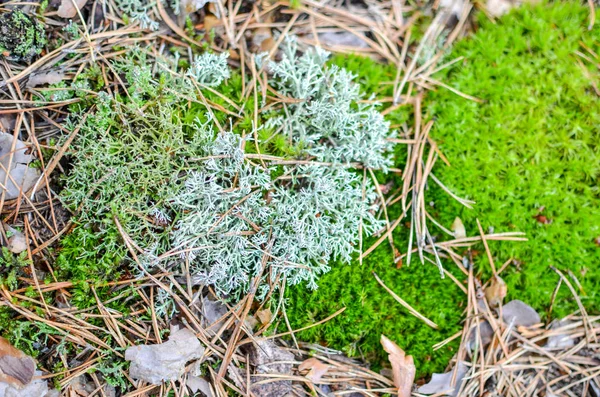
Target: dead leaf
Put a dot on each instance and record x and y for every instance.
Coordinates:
(52, 77)
(403, 367)
(197, 384)
(22, 177)
(520, 314)
(496, 292)
(316, 369)
(485, 332)
(166, 361)
(597, 241)
(251, 322)
(36, 388)
(458, 228)
(441, 384)
(561, 341)
(67, 8)
(344, 39)
(16, 368)
(189, 6)
(269, 358)
(210, 21)
(264, 316)
(17, 242)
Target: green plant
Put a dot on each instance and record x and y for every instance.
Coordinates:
(11, 266)
(149, 161)
(529, 155)
(21, 35)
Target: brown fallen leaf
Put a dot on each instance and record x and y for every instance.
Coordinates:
(496, 292)
(16, 368)
(67, 8)
(403, 367)
(316, 369)
(264, 316)
(458, 228)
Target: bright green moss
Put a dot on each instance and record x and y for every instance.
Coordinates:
(533, 142)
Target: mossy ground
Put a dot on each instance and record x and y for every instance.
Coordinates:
(533, 142)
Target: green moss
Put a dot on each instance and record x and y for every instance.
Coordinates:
(532, 143)
(21, 36)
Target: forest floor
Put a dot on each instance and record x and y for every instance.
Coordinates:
(484, 189)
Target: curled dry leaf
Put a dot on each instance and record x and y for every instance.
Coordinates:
(496, 292)
(316, 369)
(403, 367)
(458, 228)
(67, 8)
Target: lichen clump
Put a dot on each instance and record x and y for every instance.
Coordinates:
(21, 36)
(191, 185)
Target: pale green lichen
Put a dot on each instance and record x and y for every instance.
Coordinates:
(183, 190)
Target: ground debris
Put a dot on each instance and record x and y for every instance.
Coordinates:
(17, 372)
(403, 367)
(269, 358)
(520, 314)
(166, 361)
(21, 177)
(447, 383)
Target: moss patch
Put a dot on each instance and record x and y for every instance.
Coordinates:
(532, 143)
(21, 36)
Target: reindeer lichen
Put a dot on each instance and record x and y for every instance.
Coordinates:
(182, 186)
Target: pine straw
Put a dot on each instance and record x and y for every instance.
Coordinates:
(518, 361)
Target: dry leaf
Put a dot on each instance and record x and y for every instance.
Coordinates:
(316, 369)
(441, 384)
(496, 292)
(403, 367)
(22, 177)
(264, 316)
(210, 21)
(520, 314)
(344, 39)
(17, 242)
(197, 384)
(52, 77)
(188, 6)
(562, 340)
(16, 368)
(67, 8)
(36, 388)
(166, 361)
(458, 228)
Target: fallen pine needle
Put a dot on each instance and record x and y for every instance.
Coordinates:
(406, 305)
